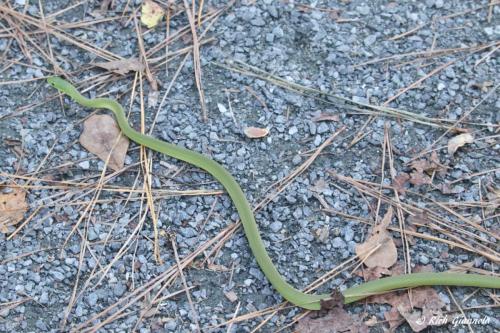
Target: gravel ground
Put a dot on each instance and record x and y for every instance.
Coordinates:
(310, 45)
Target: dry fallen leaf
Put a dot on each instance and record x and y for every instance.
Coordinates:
(379, 249)
(12, 208)
(458, 141)
(320, 186)
(429, 165)
(218, 268)
(231, 296)
(398, 269)
(372, 321)
(400, 181)
(394, 318)
(373, 273)
(425, 299)
(151, 13)
(100, 135)
(425, 167)
(336, 320)
(419, 178)
(493, 200)
(446, 189)
(255, 132)
(122, 67)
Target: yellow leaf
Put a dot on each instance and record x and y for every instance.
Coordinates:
(151, 14)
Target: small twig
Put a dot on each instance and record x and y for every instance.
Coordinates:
(149, 75)
(196, 60)
(230, 326)
(186, 288)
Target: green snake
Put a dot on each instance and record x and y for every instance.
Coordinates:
(294, 296)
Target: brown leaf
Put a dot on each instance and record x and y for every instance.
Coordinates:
(218, 268)
(400, 181)
(424, 298)
(372, 321)
(435, 158)
(423, 269)
(122, 67)
(385, 254)
(255, 132)
(319, 186)
(428, 165)
(336, 300)
(12, 208)
(373, 273)
(420, 219)
(100, 135)
(418, 178)
(336, 320)
(420, 165)
(415, 318)
(458, 141)
(493, 200)
(394, 318)
(231, 296)
(326, 117)
(398, 269)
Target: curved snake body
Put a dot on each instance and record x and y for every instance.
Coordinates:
(298, 298)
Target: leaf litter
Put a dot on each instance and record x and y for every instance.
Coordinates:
(13, 206)
(422, 173)
(102, 137)
(379, 250)
(379, 254)
(336, 320)
(122, 67)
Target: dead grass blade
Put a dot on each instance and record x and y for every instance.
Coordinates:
(196, 59)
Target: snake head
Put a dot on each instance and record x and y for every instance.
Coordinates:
(64, 86)
(57, 82)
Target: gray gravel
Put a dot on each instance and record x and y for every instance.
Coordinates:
(304, 45)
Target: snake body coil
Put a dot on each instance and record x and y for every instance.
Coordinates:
(252, 233)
